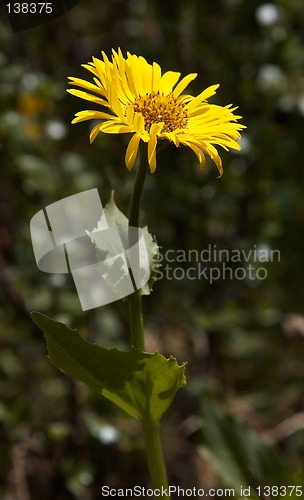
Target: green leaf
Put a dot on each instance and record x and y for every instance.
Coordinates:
(120, 240)
(237, 453)
(142, 384)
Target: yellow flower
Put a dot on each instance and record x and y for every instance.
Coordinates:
(151, 106)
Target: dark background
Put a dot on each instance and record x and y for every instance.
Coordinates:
(243, 339)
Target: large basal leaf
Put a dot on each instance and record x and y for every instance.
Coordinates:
(237, 453)
(142, 384)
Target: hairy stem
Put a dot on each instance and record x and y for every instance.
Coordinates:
(155, 459)
(134, 301)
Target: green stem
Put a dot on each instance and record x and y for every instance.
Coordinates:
(134, 301)
(151, 433)
(136, 320)
(155, 458)
(138, 188)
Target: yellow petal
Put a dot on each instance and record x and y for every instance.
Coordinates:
(167, 82)
(101, 72)
(88, 97)
(172, 136)
(119, 76)
(130, 79)
(139, 123)
(199, 153)
(91, 115)
(91, 67)
(152, 153)
(218, 161)
(156, 77)
(132, 150)
(87, 85)
(147, 76)
(135, 76)
(212, 152)
(156, 128)
(115, 102)
(130, 115)
(183, 84)
(203, 96)
(94, 133)
(115, 128)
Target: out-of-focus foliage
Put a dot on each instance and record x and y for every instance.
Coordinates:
(236, 453)
(242, 338)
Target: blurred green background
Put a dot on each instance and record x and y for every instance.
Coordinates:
(243, 339)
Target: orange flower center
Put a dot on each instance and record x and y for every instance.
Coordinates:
(157, 108)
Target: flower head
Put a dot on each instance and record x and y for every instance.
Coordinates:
(140, 100)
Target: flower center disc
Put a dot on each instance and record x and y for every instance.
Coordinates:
(157, 108)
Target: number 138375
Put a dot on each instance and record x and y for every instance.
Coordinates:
(279, 491)
(29, 8)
